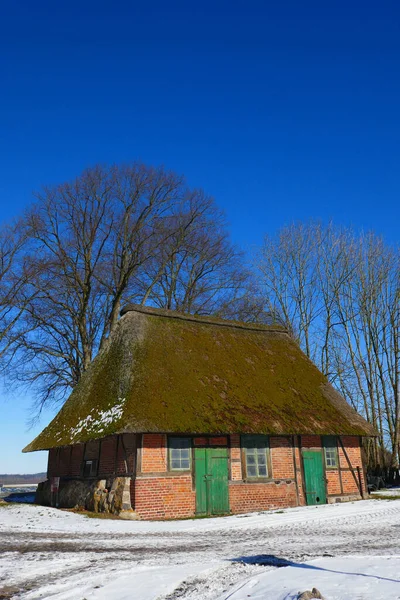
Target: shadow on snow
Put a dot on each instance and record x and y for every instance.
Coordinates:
(274, 561)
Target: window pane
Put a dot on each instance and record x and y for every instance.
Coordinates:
(251, 471)
(262, 459)
(331, 457)
(256, 448)
(179, 453)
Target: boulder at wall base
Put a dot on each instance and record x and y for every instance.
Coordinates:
(97, 495)
(307, 595)
(119, 497)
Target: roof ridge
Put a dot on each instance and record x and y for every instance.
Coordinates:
(206, 320)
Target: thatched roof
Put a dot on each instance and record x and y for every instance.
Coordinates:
(166, 372)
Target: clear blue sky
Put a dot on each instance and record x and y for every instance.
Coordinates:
(281, 110)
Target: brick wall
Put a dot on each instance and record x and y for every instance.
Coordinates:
(200, 441)
(52, 462)
(64, 457)
(68, 461)
(353, 451)
(154, 453)
(349, 484)
(92, 450)
(125, 454)
(158, 494)
(333, 482)
(76, 463)
(248, 497)
(165, 497)
(311, 441)
(107, 456)
(281, 458)
(236, 458)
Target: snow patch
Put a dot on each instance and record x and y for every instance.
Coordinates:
(344, 578)
(98, 420)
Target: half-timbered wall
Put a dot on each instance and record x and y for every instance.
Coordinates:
(157, 492)
(114, 455)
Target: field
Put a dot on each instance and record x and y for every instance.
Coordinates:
(348, 551)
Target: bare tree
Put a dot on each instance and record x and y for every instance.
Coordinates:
(289, 274)
(197, 269)
(15, 273)
(339, 292)
(115, 235)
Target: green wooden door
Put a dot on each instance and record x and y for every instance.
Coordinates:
(211, 478)
(200, 475)
(314, 477)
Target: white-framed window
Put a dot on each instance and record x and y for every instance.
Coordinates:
(180, 453)
(331, 452)
(256, 456)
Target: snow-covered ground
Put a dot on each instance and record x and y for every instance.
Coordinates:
(345, 550)
(345, 578)
(390, 492)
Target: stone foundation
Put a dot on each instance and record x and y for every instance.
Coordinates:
(349, 498)
(97, 495)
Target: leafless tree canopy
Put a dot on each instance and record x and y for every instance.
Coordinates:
(14, 276)
(114, 235)
(339, 294)
(138, 234)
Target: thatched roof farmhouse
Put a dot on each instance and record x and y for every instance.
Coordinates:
(198, 415)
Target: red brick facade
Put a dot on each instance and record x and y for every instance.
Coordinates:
(165, 497)
(159, 493)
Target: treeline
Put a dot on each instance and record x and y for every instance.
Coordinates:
(138, 234)
(339, 293)
(9, 479)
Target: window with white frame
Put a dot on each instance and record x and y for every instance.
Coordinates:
(331, 453)
(256, 456)
(180, 453)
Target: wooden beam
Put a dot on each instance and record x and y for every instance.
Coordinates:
(351, 467)
(295, 470)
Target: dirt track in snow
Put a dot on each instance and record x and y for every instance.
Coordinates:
(46, 553)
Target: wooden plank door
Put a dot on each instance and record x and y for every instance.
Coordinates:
(211, 481)
(314, 477)
(218, 482)
(200, 476)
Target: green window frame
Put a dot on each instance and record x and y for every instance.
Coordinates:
(256, 456)
(331, 451)
(180, 453)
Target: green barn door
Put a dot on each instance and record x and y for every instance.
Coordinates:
(314, 477)
(211, 478)
(218, 482)
(200, 475)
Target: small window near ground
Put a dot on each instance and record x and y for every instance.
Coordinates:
(179, 453)
(256, 455)
(331, 453)
(90, 468)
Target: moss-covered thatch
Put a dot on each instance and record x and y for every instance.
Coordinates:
(165, 372)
